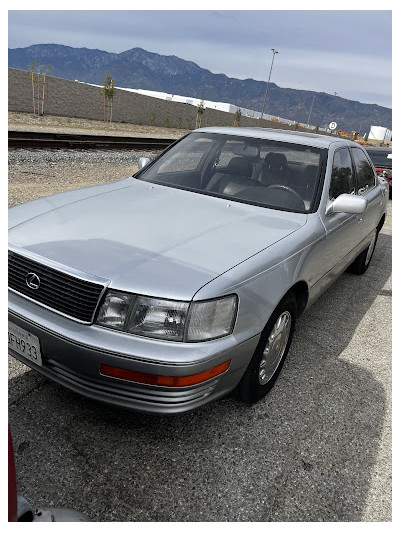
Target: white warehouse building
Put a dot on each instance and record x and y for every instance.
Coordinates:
(380, 133)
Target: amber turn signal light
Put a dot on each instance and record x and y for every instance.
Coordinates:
(164, 381)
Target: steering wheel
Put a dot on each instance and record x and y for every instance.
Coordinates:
(287, 189)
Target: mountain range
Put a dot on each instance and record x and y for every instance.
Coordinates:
(140, 69)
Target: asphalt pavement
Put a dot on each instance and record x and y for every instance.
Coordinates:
(317, 448)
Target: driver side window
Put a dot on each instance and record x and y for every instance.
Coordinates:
(342, 179)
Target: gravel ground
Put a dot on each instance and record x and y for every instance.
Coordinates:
(37, 173)
(318, 448)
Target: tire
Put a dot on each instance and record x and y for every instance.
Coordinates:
(362, 261)
(262, 371)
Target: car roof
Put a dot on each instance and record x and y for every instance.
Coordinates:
(386, 149)
(298, 137)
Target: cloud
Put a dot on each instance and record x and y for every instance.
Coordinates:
(318, 50)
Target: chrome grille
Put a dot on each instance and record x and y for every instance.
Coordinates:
(62, 292)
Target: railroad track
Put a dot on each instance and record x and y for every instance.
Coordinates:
(65, 141)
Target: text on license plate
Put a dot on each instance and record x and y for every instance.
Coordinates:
(24, 343)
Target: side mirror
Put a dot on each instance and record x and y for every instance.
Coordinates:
(143, 161)
(347, 203)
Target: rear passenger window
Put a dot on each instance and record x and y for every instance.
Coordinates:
(342, 180)
(365, 173)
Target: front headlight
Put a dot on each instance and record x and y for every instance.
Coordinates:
(168, 319)
(161, 319)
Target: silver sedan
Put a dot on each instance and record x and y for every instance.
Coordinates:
(169, 289)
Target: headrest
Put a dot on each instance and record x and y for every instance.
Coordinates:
(275, 161)
(240, 167)
(247, 150)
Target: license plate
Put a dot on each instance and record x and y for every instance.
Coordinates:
(24, 343)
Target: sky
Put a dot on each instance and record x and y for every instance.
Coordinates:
(342, 51)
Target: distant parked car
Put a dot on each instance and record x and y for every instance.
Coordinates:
(382, 160)
(168, 289)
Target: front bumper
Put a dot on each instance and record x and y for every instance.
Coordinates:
(72, 354)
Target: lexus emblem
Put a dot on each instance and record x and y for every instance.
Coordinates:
(32, 280)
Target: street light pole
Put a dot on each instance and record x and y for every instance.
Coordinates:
(269, 77)
(330, 112)
(309, 114)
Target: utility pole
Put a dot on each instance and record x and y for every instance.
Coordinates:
(266, 92)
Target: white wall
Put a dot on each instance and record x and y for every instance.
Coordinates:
(220, 106)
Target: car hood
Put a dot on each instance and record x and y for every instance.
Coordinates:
(148, 238)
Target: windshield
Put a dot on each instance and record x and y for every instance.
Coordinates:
(262, 172)
(380, 158)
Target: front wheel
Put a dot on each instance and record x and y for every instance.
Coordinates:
(271, 352)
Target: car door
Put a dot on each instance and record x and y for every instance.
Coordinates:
(367, 186)
(331, 255)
